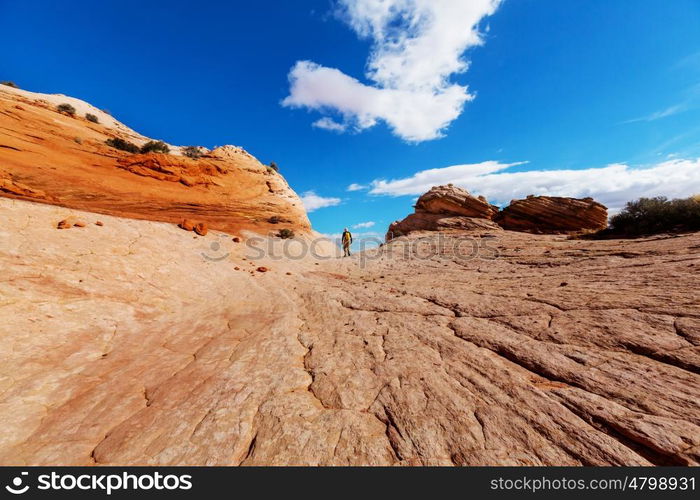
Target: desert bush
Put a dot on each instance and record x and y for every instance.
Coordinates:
(274, 166)
(657, 215)
(91, 118)
(66, 108)
(285, 234)
(155, 147)
(123, 145)
(194, 152)
(9, 83)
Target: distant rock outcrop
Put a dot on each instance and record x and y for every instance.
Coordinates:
(454, 200)
(551, 214)
(449, 207)
(445, 208)
(423, 221)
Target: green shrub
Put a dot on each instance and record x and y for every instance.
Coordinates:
(155, 147)
(66, 108)
(274, 166)
(91, 118)
(8, 83)
(285, 234)
(194, 152)
(657, 215)
(123, 145)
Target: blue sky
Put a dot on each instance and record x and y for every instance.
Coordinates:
(507, 98)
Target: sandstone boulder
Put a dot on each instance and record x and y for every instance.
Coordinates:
(422, 221)
(551, 214)
(70, 222)
(446, 208)
(454, 200)
(201, 229)
(64, 224)
(187, 224)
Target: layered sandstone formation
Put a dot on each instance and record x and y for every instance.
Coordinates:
(446, 208)
(134, 342)
(51, 157)
(552, 214)
(451, 199)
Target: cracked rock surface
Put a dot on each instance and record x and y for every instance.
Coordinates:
(123, 344)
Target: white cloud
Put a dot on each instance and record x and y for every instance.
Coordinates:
(658, 115)
(612, 185)
(312, 201)
(357, 187)
(422, 181)
(327, 123)
(417, 45)
(363, 225)
(692, 96)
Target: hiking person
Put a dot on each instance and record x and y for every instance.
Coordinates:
(347, 241)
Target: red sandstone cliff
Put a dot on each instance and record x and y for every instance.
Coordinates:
(51, 157)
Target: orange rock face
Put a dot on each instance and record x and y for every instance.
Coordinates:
(9, 187)
(53, 158)
(549, 214)
(170, 168)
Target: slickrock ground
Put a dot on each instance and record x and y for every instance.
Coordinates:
(122, 344)
(53, 158)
